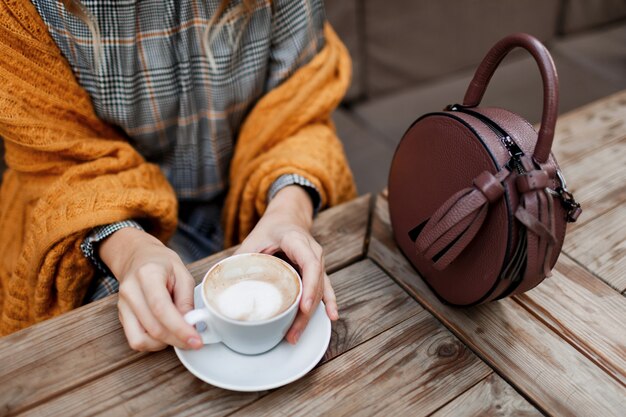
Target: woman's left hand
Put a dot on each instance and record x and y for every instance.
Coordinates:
(285, 226)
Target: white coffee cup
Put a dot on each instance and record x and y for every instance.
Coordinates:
(248, 335)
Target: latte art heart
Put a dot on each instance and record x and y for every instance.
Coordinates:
(250, 301)
(254, 288)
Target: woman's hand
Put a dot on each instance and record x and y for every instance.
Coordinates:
(155, 291)
(285, 226)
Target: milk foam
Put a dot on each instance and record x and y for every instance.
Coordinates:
(249, 300)
(253, 287)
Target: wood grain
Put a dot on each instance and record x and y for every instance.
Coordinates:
(54, 356)
(584, 311)
(545, 368)
(342, 232)
(412, 369)
(490, 397)
(591, 127)
(370, 303)
(121, 393)
(598, 181)
(600, 246)
(91, 339)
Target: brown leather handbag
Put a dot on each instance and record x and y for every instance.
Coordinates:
(477, 201)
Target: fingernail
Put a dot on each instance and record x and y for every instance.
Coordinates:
(307, 305)
(296, 336)
(335, 314)
(194, 342)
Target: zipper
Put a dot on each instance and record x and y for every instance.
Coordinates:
(514, 268)
(513, 149)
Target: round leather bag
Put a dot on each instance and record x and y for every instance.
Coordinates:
(476, 199)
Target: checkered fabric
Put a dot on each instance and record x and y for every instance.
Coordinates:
(155, 81)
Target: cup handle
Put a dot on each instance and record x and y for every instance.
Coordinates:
(208, 334)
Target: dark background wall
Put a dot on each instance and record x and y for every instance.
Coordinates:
(415, 56)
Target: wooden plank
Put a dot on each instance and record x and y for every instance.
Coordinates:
(590, 127)
(91, 338)
(116, 393)
(342, 231)
(370, 303)
(584, 311)
(413, 368)
(52, 357)
(490, 397)
(598, 181)
(555, 376)
(600, 246)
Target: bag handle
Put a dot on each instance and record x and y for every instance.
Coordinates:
(477, 87)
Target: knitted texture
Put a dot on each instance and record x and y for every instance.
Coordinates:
(290, 131)
(67, 172)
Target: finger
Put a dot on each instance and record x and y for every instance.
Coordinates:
(177, 331)
(308, 256)
(183, 289)
(183, 299)
(306, 253)
(330, 300)
(136, 300)
(303, 318)
(295, 331)
(135, 334)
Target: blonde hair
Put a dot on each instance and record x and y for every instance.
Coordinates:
(77, 9)
(220, 19)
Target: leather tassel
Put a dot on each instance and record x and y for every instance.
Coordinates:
(455, 224)
(536, 213)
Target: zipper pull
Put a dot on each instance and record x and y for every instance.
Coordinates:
(570, 204)
(514, 150)
(515, 165)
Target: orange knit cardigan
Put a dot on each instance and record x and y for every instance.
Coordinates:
(68, 171)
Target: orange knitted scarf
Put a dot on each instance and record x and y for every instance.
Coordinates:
(69, 171)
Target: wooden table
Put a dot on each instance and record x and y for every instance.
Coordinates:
(559, 349)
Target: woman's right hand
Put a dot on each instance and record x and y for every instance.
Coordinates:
(156, 290)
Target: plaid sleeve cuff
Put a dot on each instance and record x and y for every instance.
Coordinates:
(97, 235)
(294, 179)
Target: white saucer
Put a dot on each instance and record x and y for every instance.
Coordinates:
(218, 365)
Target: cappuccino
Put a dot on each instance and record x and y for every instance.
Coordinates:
(251, 289)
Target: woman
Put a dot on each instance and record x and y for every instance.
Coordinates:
(122, 121)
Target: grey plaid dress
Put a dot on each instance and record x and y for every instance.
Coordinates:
(179, 108)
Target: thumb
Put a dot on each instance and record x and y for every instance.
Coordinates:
(255, 244)
(183, 289)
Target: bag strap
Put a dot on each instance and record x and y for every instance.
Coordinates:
(485, 71)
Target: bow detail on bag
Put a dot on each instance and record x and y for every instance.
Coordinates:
(453, 226)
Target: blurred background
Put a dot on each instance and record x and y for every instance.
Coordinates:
(411, 57)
